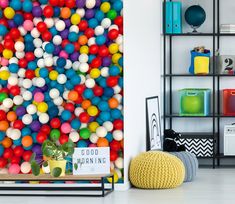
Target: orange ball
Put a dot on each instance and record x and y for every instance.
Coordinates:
(27, 141)
(7, 142)
(73, 95)
(86, 104)
(82, 40)
(122, 143)
(65, 12)
(102, 142)
(113, 103)
(11, 116)
(4, 125)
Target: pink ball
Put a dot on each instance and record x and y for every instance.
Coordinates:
(14, 169)
(4, 3)
(64, 54)
(28, 25)
(4, 62)
(39, 97)
(66, 128)
(70, 182)
(92, 145)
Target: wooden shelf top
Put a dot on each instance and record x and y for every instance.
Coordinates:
(48, 177)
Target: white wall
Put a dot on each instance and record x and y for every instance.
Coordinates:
(142, 62)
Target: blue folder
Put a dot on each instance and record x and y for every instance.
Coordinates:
(177, 17)
(169, 17)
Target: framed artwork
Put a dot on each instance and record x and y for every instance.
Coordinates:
(153, 124)
(226, 64)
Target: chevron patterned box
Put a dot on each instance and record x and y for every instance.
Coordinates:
(199, 147)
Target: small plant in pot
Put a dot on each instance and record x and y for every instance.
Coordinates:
(56, 153)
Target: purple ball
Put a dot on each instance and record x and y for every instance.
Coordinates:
(37, 149)
(20, 111)
(11, 24)
(36, 90)
(106, 61)
(97, 3)
(67, 22)
(44, 88)
(35, 126)
(39, 159)
(90, 13)
(80, 3)
(74, 56)
(56, 50)
(64, 34)
(37, 11)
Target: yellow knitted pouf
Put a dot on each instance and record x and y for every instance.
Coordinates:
(156, 170)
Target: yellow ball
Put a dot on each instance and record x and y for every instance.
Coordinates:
(53, 75)
(34, 182)
(92, 110)
(75, 19)
(9, 12)
(37, 72)
(105, 7)
(115, 176)
(8, 54)
(84, 49)
(35, 103)
(4, 75)
(42, 107)
(116, 57)
(95, 73)
(93, 126)
(113, 48)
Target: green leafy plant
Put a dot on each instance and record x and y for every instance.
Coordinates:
(54, 151)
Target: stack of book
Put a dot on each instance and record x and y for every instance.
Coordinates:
(227, 28)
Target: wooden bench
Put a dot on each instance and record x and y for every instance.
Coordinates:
(99, 187)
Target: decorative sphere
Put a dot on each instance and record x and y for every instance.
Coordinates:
(14, 169)
(25, 167)
(101, 131)
(195, 16)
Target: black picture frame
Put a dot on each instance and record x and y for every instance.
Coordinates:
(153, 134)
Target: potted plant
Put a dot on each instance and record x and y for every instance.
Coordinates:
(56, 154)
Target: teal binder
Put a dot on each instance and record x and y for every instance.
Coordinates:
(169, 17)
(177, 17)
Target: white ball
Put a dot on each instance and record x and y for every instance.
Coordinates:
(3, 171)
(106, 23)
(19, 46)
(49, 22)
(83, 58)
(118, 135)
(99, 30)
(118, 97)
(78, 111)
(101, 131)
(81, 12)
(23, 32)
(21, 72)
(2, 107)
(15, 134)
(93, 138)
(13, 60)
(74, 136)
(19, 55)
(119, 163)
(90, 4)
(8, 132)
(37, 42)
(25, 167)
(105, 72)
(108, 126)
(117, 89)
(27, 119)
(91, 41)
(74, 28)
(65, 95)
(84, 67)
(120, 48)
(54, 93)
(40, 82)
(61, 79)
(57, 40)
(48, 61)
(31, 109)
(119, 173)
(119, 40)
(27, 83)
(113, 27)
(27, 95)
(44, 118)
(18, 100)
(68, 64)
(46, 169)
(76, 65)
(83, 79)
(60, 25)
(38, 52)
(8, 102)
(12, 80)
(58, 101)
(35, 33)
(41, 63)
(90, 83)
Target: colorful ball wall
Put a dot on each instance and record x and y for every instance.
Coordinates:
(61, 76)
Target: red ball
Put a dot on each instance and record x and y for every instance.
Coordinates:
(63, 139)
(118, 124)
(3, 162)
(115, 145)
(46, 36)
(84, 117)
(64, 43)
(98, 91)
(15, 90)
(4, 22)
(42, 27)
(93, 49)
(96, 62)
(15, 160)
(46, 129)
(29, 56)
(70, 3)
(15, 33)
(83, 25)
(18, 124)
(29, 74)
(70, 107)
(8, 153)
(113, 155)
(103, 51)
(41, 137)
(77, 46)
(79, 100)
(22, 63)
(60, 3)
(18, 151)
(112, 81)
(80, 88)
(89, 32)
(27, 155)
(48, 11)
(3, 115)
(113, 34)
(118, 21)
(55, 123)
(53, 2)
(9, 44)
(28, 16)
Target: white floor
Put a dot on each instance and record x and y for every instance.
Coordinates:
(211, 186)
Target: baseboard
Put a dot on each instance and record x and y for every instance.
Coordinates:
(123, 187)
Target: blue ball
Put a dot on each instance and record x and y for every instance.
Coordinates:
(32, 65)
(3, 30)
(2, 135)
(16, 5)
(56, 11)
(25, 131)
(69, 48)
(100, 40)
(28, 148)
(82, 143)
(13, 68)
(120, 82)
(88, 93)
(95, 100)
(17, 142)
(49, 48)
(75, 124)
(53, 111)
(105, 116)
(108, 92)
(1, 150)
(75, 80)
(117, 5)
(109, 137)
(18, 19)
(93, 23)
(34, 136)
(120, 61)
(61, 62)
(69, 85)
(29, 47)
(102, 82)
(103, 106)
(27, 6)
(28, 38)
(43, 1)
(43, 72)
(53, 31)
(66, 115)
(99, 15)
(116, 113)
(90, 58)
(73, 37)
(70, 73)
(114, 70)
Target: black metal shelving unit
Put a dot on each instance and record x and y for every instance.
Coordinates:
(169, 76)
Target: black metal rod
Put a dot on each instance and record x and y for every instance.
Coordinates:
(102, 185)
(170, 85)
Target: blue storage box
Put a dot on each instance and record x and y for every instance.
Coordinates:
(195, 102)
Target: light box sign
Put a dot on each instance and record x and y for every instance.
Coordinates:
(92, 160)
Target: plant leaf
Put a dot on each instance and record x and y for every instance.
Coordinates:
(56, 172)
(32, 158)
(48, 152)
(45, 163)
(75, 166)
(35, 168)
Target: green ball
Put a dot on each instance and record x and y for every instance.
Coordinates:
(112, 14)
(85, 133)
(3, 96)
(55, 134)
